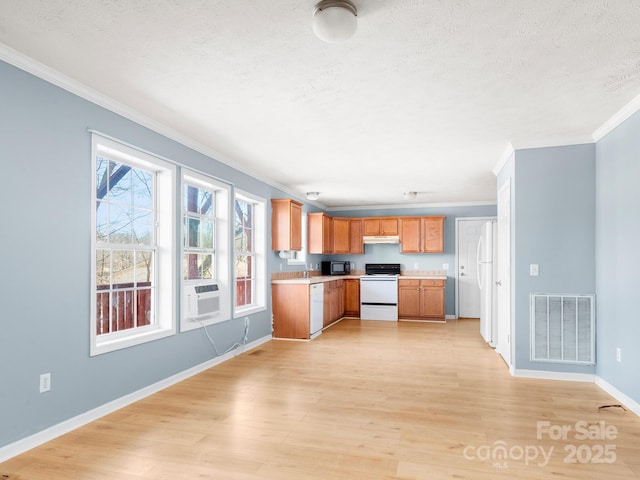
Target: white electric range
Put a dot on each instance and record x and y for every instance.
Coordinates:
(379, 292)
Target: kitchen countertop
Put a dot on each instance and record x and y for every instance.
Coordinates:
(328, 278)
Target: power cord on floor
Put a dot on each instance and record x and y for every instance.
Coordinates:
(244, 340)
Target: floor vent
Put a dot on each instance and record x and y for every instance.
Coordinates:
(563, 328)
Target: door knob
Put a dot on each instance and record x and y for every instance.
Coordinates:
(462, 274)
(499, 283)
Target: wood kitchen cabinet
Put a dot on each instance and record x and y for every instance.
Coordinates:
(422, 234)
(286, 224)
(355, 236)
(320, 233)
(380, 226)
(341, 238)
(352, 297)
(421, 299)
(290, 303)
(333, 302)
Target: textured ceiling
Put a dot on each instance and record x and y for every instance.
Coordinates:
(425, 97)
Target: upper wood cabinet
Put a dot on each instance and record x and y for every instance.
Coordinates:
(286, 224)
(422, 234)
(320, 233)
(380, 226)
(433, 234)
(355, 235)
(341, 235)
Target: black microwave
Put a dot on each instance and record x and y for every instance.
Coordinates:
(336, 268)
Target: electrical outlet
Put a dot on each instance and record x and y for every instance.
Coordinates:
(533, 270)
(618, 354)
(45, 382)
(445, 266)
(416, 266)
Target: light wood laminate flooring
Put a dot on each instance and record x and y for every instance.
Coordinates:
(365, 400)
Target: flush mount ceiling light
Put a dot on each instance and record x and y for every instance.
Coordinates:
(335, 21)
(313, 195)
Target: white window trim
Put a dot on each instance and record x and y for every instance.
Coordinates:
(222, 253)
(260, 242)
(165, 297)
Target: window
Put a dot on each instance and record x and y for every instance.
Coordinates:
(206, 296)
(250, 258)
(300, 257)
(133, 262)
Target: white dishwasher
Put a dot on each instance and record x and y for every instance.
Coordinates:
(316, 299)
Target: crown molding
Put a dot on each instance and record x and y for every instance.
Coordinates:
(620, 116)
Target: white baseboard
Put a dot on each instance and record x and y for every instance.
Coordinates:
(546, 375)
(37, 439)
(628, 402)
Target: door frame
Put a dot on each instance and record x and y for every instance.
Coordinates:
(457, 252)
(506, 303)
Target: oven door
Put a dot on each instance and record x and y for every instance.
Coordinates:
(379, 291)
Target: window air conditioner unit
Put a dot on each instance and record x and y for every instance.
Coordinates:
(201, 301)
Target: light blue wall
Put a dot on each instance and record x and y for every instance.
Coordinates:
(618, 255)
(45, 201)
(554, 227)
(390, 253)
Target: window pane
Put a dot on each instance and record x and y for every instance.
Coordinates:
(193, 232)
(206, 234)
(190, 266)
(120, 183)
(123, 269)
(205, 266)
(102, 165)
(243, 292)
(206, 203)
(142, 226)
(102, 313)
(144, 268)
(241, 241)
(120, 227)
(142, 189)
(242, 263)
(197, 266)
(190, 199)
(103, 268)
(144, 306)
(102, 222)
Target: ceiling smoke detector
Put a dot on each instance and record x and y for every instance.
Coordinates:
(335, 21)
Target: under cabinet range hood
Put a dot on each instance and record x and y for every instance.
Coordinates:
(381, 239)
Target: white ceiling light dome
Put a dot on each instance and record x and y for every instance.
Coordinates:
(335, 21)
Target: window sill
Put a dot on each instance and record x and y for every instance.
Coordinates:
(187, 324)
(240, 312)
(100, 346)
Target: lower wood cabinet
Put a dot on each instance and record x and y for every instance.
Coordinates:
(333, 308)
(290, 303)
(421, 299)
(352, 297)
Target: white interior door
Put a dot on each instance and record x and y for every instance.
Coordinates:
(504, 273)
(468, 293)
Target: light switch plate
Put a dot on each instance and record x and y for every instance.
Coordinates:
(533, 270)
